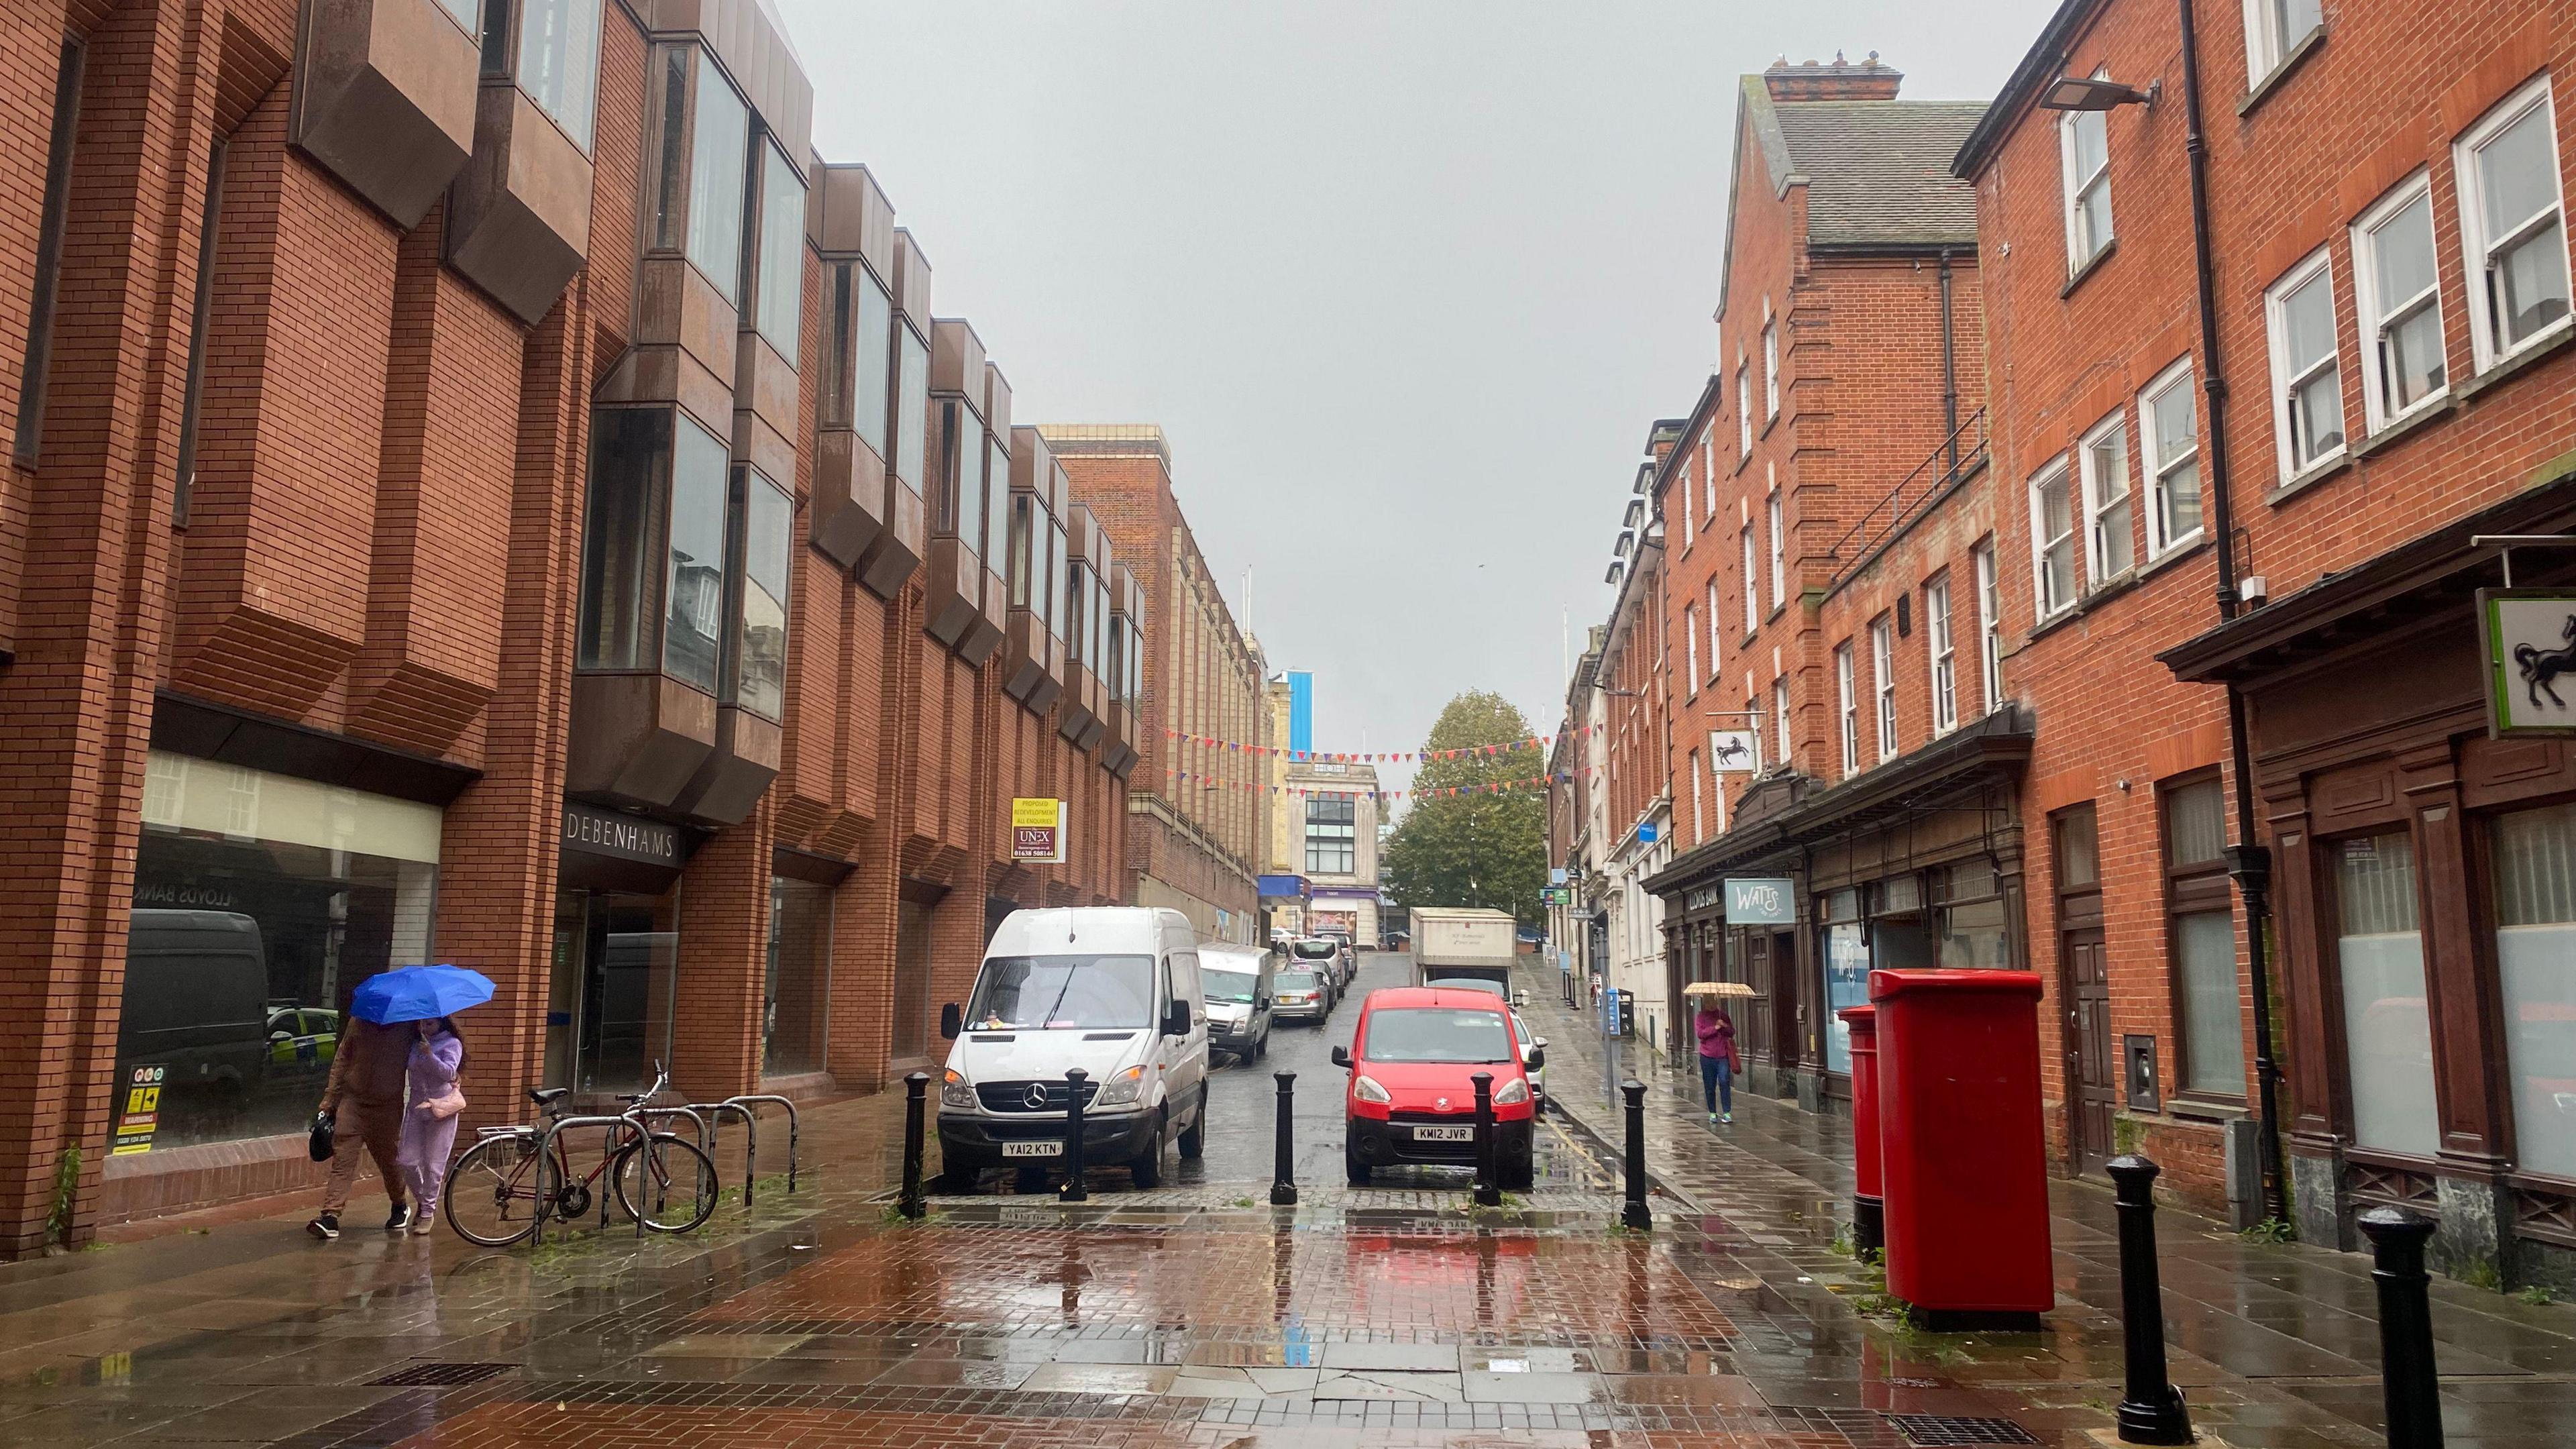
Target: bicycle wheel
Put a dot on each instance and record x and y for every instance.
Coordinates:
(667, 1183)
(498, 1191)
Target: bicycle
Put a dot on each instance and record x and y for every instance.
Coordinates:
(503, 1187)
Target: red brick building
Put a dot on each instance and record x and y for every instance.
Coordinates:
(2387, 310)
(1825, 514)
(503, 499)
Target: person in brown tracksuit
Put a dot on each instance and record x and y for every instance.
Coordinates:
(364, 1100)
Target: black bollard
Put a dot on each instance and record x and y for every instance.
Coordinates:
(2397, 1239)
(1283, 1168)
(1489, 1190)
(911, 1204)
(2151, 1408)
(1075, 1079)
(1635, 1214)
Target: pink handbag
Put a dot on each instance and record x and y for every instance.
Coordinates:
(445, 1106)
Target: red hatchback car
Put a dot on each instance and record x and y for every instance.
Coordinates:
(1410, 1098)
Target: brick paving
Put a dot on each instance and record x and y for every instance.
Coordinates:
(1197, 1317)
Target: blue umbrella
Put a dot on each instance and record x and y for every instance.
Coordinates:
(419, 993)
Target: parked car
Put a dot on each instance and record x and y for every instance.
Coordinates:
(1320, 953)
(1533, 1063)
(1302, 994)
(1239, 982)
(1411, 1097)
(1114, 990)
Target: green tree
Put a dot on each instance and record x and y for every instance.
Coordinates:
(1483, 846)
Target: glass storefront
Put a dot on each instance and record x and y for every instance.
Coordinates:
(1846, 963)
(2535, 887)
(627, 946)
(260, 902)
(795, 994)
(2387, 1032)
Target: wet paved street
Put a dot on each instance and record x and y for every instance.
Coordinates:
(1195, 1315)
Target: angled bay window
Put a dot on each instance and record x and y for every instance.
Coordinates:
(912, 405)
(706, 155)
(854, 495)
(652, 592)
(997, 481)
(778, 272)
(551, 47)
(1023, 575)
(760, 632)
(518, 215)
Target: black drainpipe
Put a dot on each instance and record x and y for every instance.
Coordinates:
(2249, 862)
(1949, 370)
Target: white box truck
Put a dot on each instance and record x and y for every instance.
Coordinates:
(1464, 944)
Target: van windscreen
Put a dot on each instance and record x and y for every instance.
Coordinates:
(1315, 950)
(1072, 992)
(1223, 985)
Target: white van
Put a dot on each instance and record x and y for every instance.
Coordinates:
(1113, 990)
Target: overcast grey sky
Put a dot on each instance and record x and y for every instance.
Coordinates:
(1404, 283)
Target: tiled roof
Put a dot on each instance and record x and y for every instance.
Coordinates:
(1879, 171)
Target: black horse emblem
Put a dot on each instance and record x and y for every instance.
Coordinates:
(1730, 751)
(2540, 666)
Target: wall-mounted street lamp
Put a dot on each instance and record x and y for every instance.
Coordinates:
(2096, 93)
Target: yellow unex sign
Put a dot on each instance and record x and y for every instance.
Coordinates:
(1037, 831)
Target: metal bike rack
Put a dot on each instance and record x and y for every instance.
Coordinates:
(745, 1104)
(701, 1132)
(545, 1151)
(714, 1113)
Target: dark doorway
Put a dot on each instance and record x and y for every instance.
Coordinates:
(911, 979)
(2094, 1065)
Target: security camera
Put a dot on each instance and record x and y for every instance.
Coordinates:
(2253, 590)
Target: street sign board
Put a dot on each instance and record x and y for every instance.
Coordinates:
(1037, 831)
(1556, 875)
(1760, 901)
(2530, 640)
(1734, 752)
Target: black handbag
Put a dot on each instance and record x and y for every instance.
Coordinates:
(319, 1147)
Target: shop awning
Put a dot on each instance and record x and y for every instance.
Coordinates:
(2433, 573)
(1997, 745)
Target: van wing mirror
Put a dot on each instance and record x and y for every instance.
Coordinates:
(1176, 1019)
(1341, 1056)
(952, 1019)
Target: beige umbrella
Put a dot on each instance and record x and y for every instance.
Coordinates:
(1717, 988)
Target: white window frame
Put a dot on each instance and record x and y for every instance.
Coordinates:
(2056, 470)
(1743, 408)
(1752, 586)
(1990, 629)
(2476, 246)
(1848, 705)
(1685, 491)
(2097, 569)
(1716, 628)
(2075, 186)
(2265, 46)
(1780, 717)
(1882, 681)
(1777, 520)
(2275, 321)
(1770, 364)
(1753, 722)
(1945, 655)
(2159, 468)
(1699, 832)
(2365, 298)
(1690, 639)
(1708, 471)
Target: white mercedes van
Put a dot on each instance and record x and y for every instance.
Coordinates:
(1113, 990)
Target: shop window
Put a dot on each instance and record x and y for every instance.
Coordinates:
(2379, 951)
(625, 994)
(260, 902)
(653, 554)
(760, 641)
(2534, 863)
(2201, 928)
(30, 426)
(778, 273)
(1974, 931)
(705, 163)
(1846, 972)
(2513, 225)
(795, 999)
(555, 59)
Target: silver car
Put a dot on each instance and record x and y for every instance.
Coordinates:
(1301, 994)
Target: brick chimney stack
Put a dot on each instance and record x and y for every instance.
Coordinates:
(1840, 81)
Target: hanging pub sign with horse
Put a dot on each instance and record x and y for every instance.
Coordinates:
(2529, 636)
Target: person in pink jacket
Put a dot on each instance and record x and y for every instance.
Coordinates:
(1716, 1032)
(431, 1106)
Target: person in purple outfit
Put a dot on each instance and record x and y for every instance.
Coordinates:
(430, 1115)
(1716, 1032)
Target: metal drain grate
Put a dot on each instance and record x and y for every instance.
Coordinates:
(1945, 1429)
(448, 1375)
